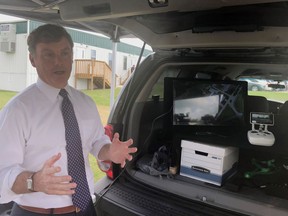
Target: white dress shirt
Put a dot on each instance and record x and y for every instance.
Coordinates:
(32, 131)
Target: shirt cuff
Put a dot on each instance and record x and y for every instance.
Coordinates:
(99, 146)
(6, 193)
(104, 165)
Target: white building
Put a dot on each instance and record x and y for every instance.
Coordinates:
(16, 72)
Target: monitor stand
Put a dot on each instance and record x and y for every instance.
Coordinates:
(261, 137)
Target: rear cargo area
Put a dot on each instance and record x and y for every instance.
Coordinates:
(256, 180)
(213, 165)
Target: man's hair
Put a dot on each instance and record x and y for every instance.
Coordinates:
(46, 34)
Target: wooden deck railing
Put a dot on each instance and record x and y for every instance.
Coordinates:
(96, 72)
(125, 76)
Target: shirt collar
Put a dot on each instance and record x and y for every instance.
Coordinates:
(50, 92)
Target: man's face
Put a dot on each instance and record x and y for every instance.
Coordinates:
(53, 62)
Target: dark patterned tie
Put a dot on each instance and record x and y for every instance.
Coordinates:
(76, 166)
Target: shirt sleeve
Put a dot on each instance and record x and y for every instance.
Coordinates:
(99, 137)
(12, 140)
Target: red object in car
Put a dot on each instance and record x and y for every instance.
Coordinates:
(106, 166)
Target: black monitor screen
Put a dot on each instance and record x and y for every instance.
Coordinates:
(207, 102)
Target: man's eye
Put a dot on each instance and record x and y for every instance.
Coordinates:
(65, 54)
(48, 55)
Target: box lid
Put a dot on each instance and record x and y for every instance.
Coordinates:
(207, 148)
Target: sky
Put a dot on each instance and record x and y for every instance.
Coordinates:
(132, 41)
(4, 18)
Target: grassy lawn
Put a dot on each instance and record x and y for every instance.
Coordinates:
(272, 95)
(102, 100)
(5, 96)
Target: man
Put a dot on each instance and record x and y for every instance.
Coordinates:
(34, 171)
(132, 68)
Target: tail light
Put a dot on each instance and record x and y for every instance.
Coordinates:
(109, 131)
(106, 166)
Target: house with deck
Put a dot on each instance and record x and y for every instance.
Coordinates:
(92, 58)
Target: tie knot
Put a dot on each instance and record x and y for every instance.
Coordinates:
(63, 93)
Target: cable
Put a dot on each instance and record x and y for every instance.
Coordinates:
(110, 185)
(132, 78)
(135, 156)
(125, 101)
(152, 126)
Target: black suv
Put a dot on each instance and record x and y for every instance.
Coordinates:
(206, 144)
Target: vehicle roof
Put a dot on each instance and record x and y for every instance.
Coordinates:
(165, 24)
(218, 28)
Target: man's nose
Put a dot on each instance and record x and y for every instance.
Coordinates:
(58, 60)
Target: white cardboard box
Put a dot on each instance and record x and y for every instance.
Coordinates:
(208, 163)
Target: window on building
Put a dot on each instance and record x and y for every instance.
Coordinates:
(125, 63)
(93, 54)
(110, 60)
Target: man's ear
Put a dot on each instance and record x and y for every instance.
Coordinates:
(31, 57)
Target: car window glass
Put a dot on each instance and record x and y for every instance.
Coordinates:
(158, 88)
(270, 89)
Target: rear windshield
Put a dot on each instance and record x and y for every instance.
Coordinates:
(273, 90)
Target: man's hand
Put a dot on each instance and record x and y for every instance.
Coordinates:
(118, 152)
(46, 181)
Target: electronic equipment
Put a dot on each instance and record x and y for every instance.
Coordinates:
(260, 135)
(202, 102)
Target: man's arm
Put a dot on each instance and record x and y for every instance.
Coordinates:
(20, 184)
